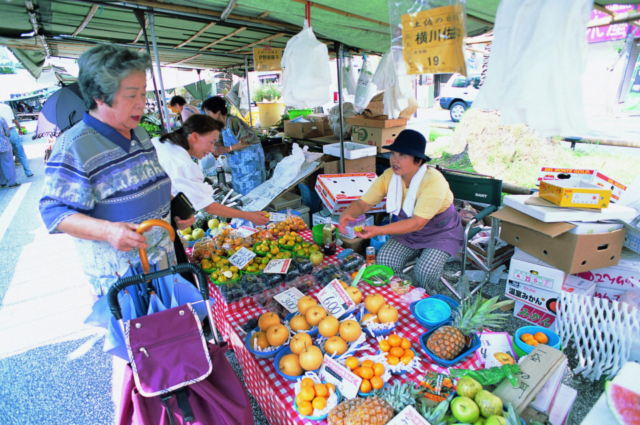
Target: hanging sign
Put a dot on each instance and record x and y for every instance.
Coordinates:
(267, 59)
(432, 41)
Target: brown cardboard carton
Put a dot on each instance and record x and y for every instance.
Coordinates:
(357, 244)
(360, 165)
(380, 122)
(554, 244)
(304, 130)
(374, 136)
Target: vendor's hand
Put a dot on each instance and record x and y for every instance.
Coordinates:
(258, 218)
(344, 220)
(368, 232)
(241, 145)
(219, 150)
(183, 224)
(123, 236)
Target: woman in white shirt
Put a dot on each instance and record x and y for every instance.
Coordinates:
(196, 139)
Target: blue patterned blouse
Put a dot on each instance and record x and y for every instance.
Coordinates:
(5, 143)
(96, 171)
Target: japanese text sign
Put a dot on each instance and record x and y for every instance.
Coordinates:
(432, 40)
(242, 258)
(289, 299)
(335, 299)
(245, 231)
(277, 266)
(277, 217)
(408, 416)
(344, 380)
(267, 59)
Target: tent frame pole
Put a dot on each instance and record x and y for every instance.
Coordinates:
(155, 52)
(246, 74)
(339, 51)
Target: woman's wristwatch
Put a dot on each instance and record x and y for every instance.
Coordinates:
(231, 148)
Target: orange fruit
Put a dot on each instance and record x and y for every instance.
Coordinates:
(525, 337)
(357, 371)
(330, 388)
(308, 393)
(541, 338)
(352, 362)
(319, 403)
(395, 340)
(321, 391)
(405, 359)
(397, 352)
(533, 342)
(393, 360)
(378, 369)
(384, 345)
(299, 399)
(366, 372)
(305, 408)
(367, 363)
(406, 344)
(365, 387)
(409, 353)
(307, 382)
(377, 382)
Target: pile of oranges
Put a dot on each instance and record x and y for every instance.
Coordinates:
(533, 340)
(370, 372)
(397, 350)
(313, 396)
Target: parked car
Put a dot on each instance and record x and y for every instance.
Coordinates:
(458, 94)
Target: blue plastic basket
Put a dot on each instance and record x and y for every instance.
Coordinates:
(257, 353)
(475, 345)
(378, 241)
(312, 332)
(450, 302)
(554, 339)
(432, 311)
(276, 362)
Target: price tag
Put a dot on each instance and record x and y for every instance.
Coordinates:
(276, 217)
(289, 299)
(277, 266)
(242, 258)
(245, 231)
(409, 416)
(347, 382)
(335, 299)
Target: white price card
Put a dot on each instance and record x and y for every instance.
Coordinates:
(242, 258)
(245, 231)
(277, 266)
(335, 299)
(408, 416)
(289, 299)
(276, 217)
(347, 382)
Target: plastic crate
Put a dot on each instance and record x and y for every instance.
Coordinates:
(287, 200)
(295, 113)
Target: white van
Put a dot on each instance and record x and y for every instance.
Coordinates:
(458, 94)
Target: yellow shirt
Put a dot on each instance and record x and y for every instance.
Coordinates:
(434, 195)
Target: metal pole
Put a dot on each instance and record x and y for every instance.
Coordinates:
(339, 66)
(246, 74)
(155, 52)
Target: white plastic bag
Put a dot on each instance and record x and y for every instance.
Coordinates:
(307, 74)
(364, 89)
(334, 119)
(287, 170)
(242, 94)
(395, 83)
(349, 76)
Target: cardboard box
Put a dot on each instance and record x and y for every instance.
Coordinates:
(608, 293)
(609, 183)
(538, 298)
(318, 118)
(361, 120)
(575, 194)
(566, 174)
(351, 150)
(562, 405)
(534, 316)
(621, 277)
(579, 286)
(357, 244)
(632, 238)
(372, 136)
(318, 218)
(498, 260)
(527, 269)
(360, 165)
(338, 191)
(556, 245)
(305, 130)
(583, 228)
(544, 400)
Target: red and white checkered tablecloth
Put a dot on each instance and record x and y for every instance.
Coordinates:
(273, 393)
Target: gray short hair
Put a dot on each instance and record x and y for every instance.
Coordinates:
(103, 67)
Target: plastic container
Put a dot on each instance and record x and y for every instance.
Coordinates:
(475, 345)
(524, 348)
(383, 272)
(259, 354)
(453, 304)
(432, 311)
(295, 113)
(316, 232)
(378, 241)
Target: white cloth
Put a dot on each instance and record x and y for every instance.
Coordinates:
(7, 113)
(394, 193)
(391, 77)
(538, 55)
(185, 175)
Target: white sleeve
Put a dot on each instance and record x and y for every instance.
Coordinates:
(190, 181)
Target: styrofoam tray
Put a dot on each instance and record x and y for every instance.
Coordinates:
(557, 215)
(351, 150)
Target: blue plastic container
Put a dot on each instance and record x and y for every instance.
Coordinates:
(475, 345)
(276, 363)
(449, 301)
(312, 332)
(432, 311)
(258, 354)
(554, 339)
(378, 241)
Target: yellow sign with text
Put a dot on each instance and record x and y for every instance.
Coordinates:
(267, 59)
(432, 41)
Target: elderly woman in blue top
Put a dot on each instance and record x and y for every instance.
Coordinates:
(103, 177)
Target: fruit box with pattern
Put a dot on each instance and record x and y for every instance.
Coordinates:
(578, 194)
(621, 277)
(338, 191)
(534, 315)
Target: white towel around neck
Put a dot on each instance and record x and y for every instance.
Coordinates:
(394, 193)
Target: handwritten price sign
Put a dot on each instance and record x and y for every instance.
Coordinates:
(245, 231)
(335, 299)
(289, 299)
(277, 217)
(408, 416)
(277, 266)
(242, 258)
(347, 382)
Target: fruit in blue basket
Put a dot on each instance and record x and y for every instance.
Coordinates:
(299, 323)
(213, 223)
(388, 314)
(290, 365)
(373, 302)
(188, 238)
(311, 358)
(299, 342)
(355, 294)
(465, 410)
(316, 257)
(468, 387)
(496, 420)
(197, 234)
(328, 327)
(350, 330)
(277, 335)
(261, 339)
(488, 404)
(335, 346)
(370, 316)
(623, 403)
(315, 314)
(267, 320)
(305, 303)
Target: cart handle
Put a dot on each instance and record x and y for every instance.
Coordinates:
(112, 295)
(143, 227)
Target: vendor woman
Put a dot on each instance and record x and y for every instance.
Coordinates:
(425, 224)
(240, 144)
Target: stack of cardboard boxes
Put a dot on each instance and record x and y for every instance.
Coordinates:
(375, 131)
(313, 126)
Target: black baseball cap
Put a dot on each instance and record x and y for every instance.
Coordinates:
(410, 142)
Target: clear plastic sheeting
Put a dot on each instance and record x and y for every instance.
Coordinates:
(349, 76)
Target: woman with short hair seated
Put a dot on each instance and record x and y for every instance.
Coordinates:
(425, 224)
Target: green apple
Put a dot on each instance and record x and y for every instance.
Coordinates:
(468, 387)
(223, 225)
(186, 231)
(188, 238)
(316, 258)
(496, 420)
(480, 421)
(197, 234)
(213, 223)
(465, 410)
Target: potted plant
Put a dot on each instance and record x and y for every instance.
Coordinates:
(267, 96)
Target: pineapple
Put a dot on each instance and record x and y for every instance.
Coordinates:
(399, 396)
(358, 411)
(435, 416)
(470, 317)
(339, 414)
(512, 415)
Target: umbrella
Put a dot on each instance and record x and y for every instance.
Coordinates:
(184, 292)
(155, 304)
(62, 109)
